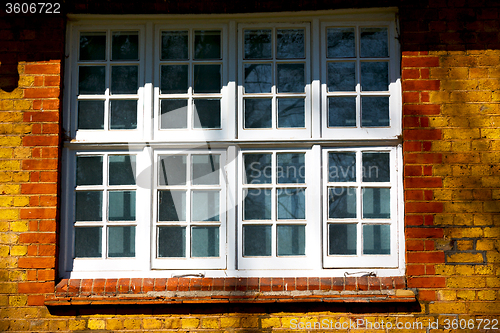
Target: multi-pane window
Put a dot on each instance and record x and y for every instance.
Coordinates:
(232, 147)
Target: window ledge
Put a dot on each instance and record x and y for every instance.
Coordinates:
(229, 290)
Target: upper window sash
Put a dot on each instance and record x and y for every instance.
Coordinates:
(274, 81)
(192, 101)
(107, 83)
(360, 83)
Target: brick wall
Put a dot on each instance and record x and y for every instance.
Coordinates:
(451, 84)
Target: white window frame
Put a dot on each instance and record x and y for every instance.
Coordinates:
(148, 142)
(274, 132)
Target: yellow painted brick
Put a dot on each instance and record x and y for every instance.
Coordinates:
(8, 238)
(21, 128)
(9, 214)
(233, 322)
(447, 295)
(10, 141)
(480, 170)
(476, 73)
(462, 108)
(250, 322)
(443, 195)
(26, 80)
(482, 145)
(77, 324)
(4, 251)
(8, 287)
(5, 176)
(114, 324)
(19, 250)
(441, 170)
(495, 96)
(190, 322)
(467, 295)
(487, 295)
(442, 308)
(4, 300)
(172, 323)
(458, 121)
(481, 121)
(461, 133)
(10, 165)
(22, 152)
(493, 282)
(491, 206)
(96, 324)
(466, 282)
(438, 97)
(464, 232)
(463, 245)
(484, 270)
(490, 133)
(488, 84)
(465, 269)
(492, 232)
(6, 201)
(438, 121)
(458, 72)
(459, 84)
(132, 324)
(441, 146)
(463, 220)
(484, 307)
(493, 257)
(22, 104)
(151, 323)
(18, 300)
(6, 152)
(470, 96)
(444, 220)
(20, 201)
(17, 275)
(462, 195)
(459, 146)
(4, 226)
(20, 176)
(212, 323)
(6, 105)
(273, 322)
(16, 93)
(463, 207)
(11, 116)
(19, 226)
(8, 262)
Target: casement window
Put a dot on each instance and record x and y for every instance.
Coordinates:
(232, 146)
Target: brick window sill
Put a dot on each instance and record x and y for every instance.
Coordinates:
(229, 290)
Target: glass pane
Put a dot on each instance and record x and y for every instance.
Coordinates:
(342, 167)
(88, 206)
(171, 242)
(376, 239)
(207, 44)
(123, 114)
(376, 167)
(205, 206)
(93, 46)
(375, 111)
(257, 240)
(172, 169)
(291, 78)
(91, 80)
(121, 242)
(121, 206)
(341, 202)
(342, 239)
(88, 170)
(290, 43)
(258, 44)
(124, 79)
(291, 112)
(258, 78)
(258, 113)
(205, 241)
(205, 169)
(341, 76)
(207, 79)
(376, 203)
(258, 169)
(341, 43)
(174, 45)
(125, 45)
(291, 168)
(257, 204)
(174, 113)
(374, 42)
(90, 114)
(174, 79)
(206, 113)
(291, 203)
(291, 240)
(121, 169)
(342, 112)
(88, 242)
(374, 76)
(171, 205)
